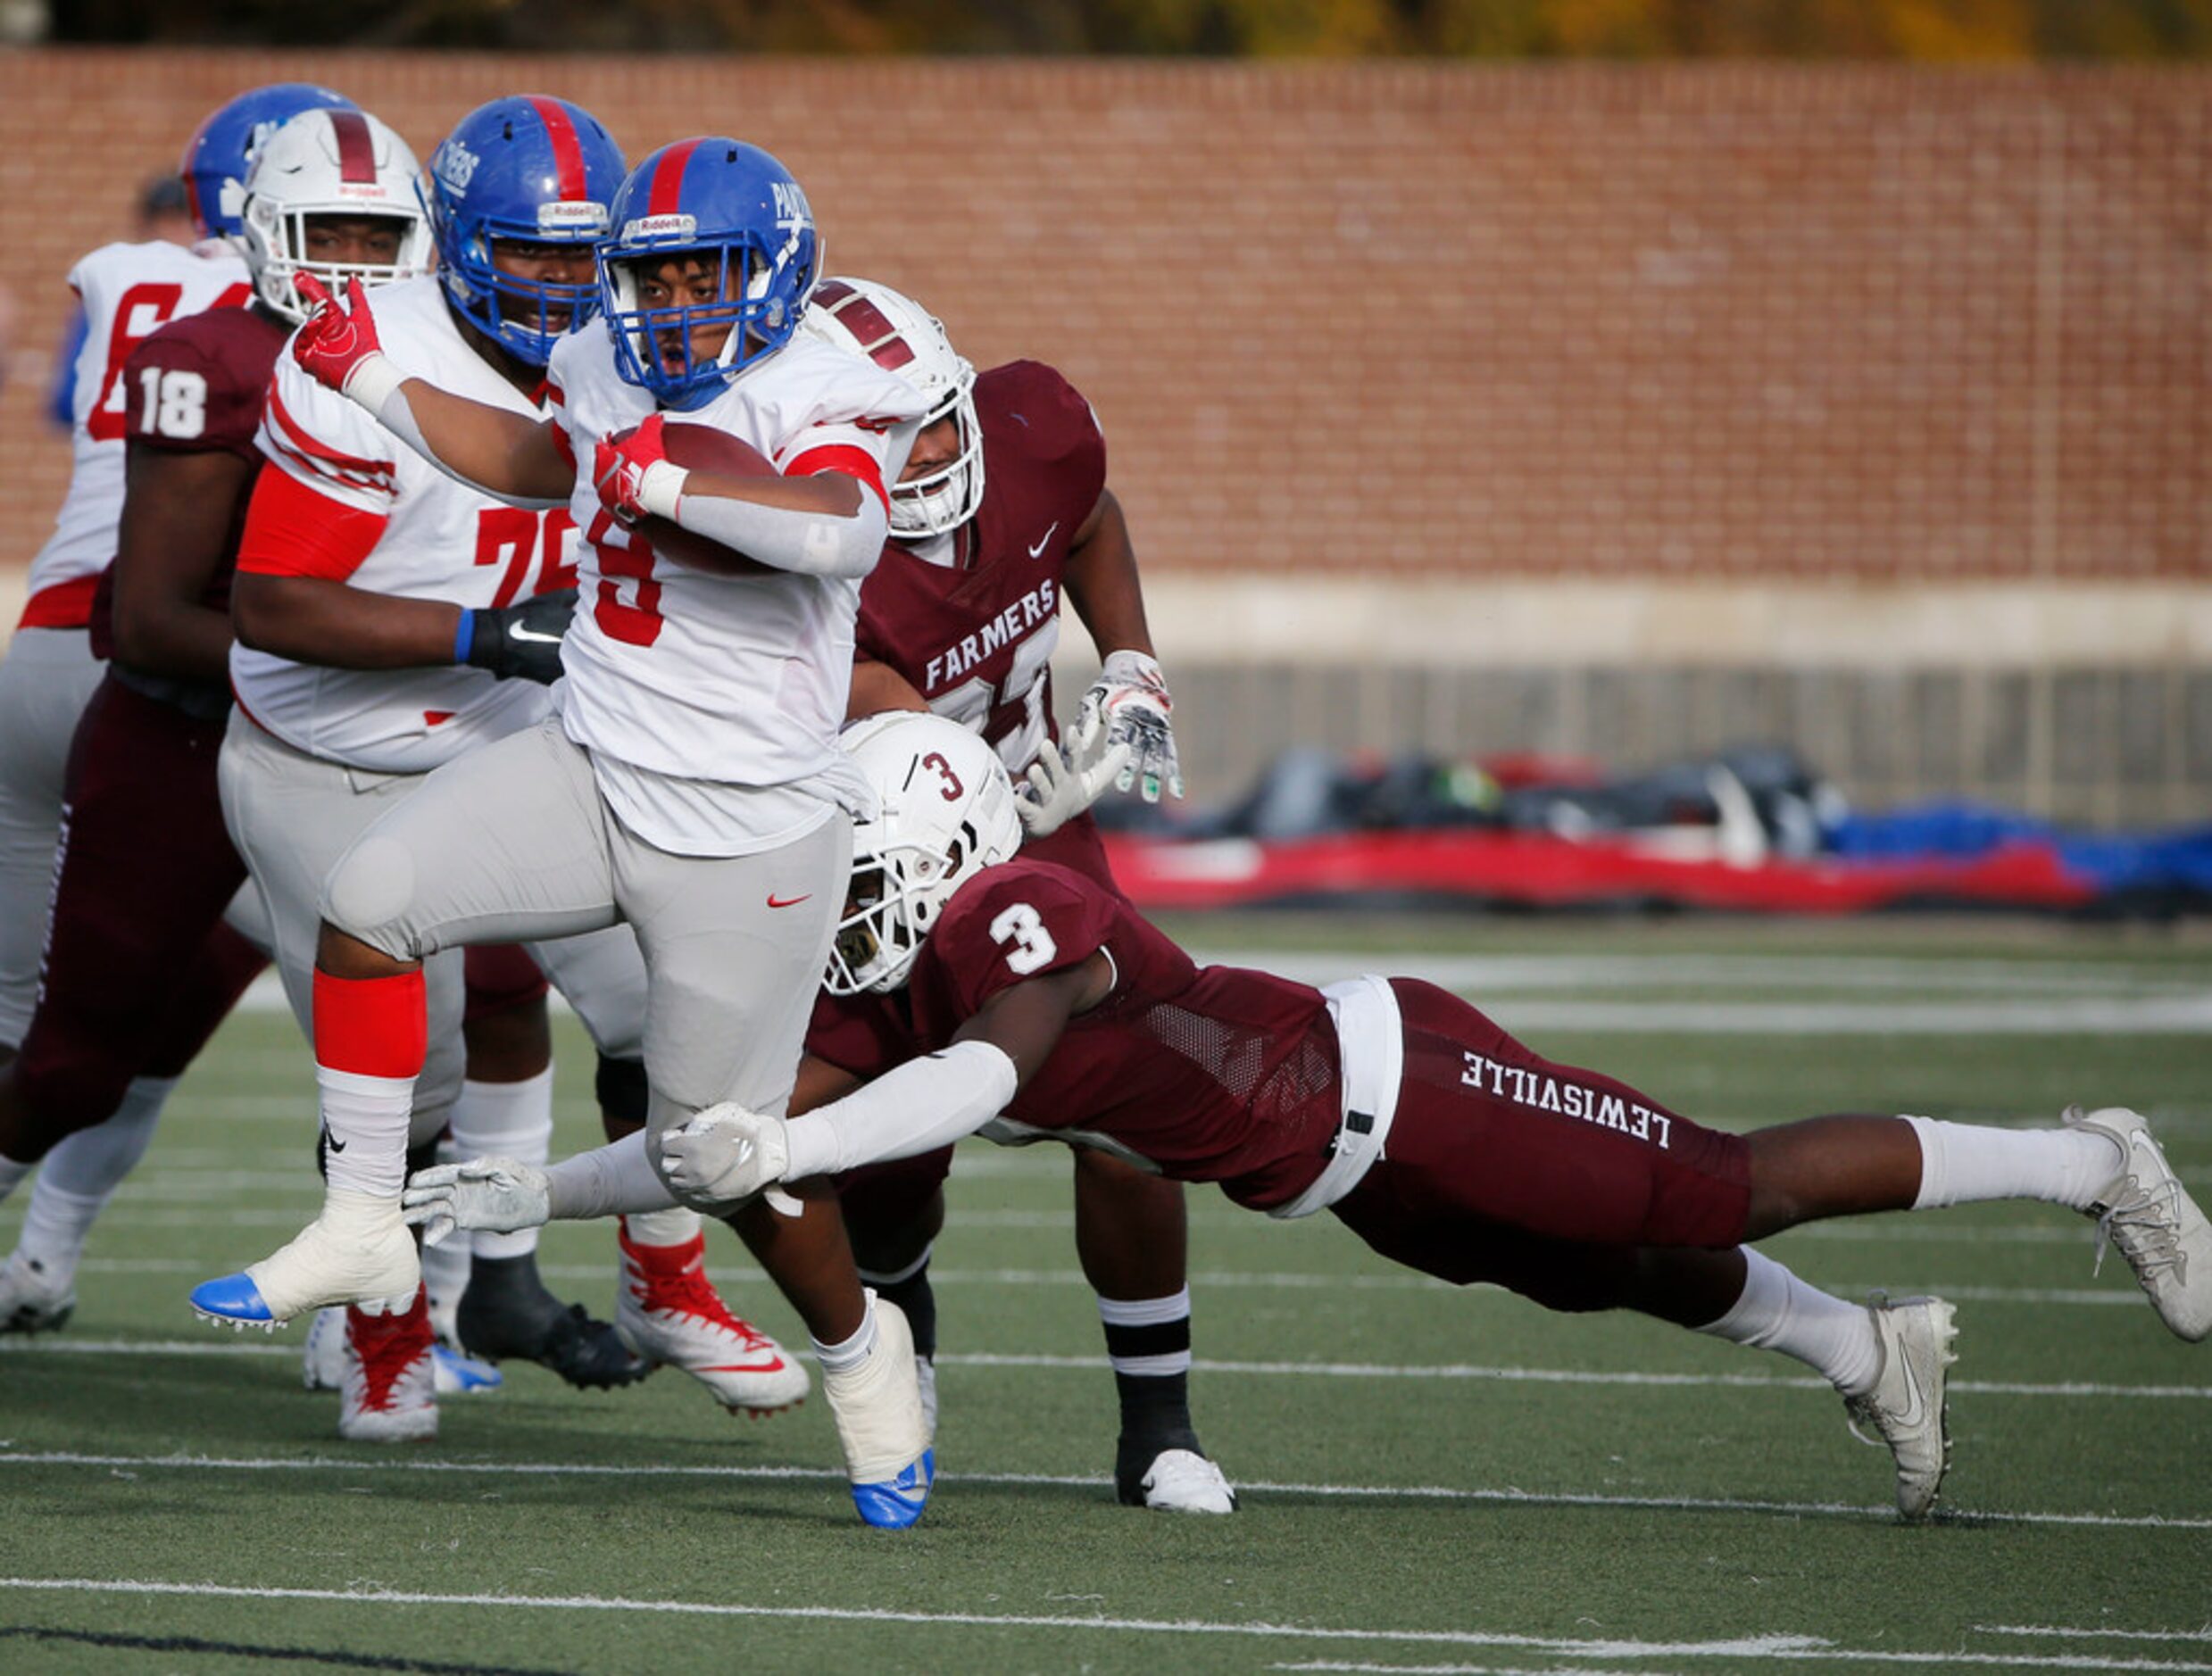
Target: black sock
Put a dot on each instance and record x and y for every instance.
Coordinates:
(912, 1293)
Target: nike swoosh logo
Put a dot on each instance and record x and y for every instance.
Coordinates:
(1916, 1405)
(519, 633)
(1037, 552)
(788, 901)
(743, 1367)
(334, 1143)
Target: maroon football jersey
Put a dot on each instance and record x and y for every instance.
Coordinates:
(196, 386)
(1213, 1074)
(976, 639)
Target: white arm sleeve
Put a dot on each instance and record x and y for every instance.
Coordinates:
(380, 387)
(615, 1180)
(808, 542)
(911, 1110)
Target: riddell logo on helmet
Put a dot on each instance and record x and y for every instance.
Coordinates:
(674, 225)
(572, 216)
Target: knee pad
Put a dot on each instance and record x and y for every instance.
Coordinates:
(372, 886)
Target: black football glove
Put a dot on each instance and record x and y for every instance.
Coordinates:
(517, 640)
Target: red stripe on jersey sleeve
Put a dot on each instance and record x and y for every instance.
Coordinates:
(291, 531)
(561, 445)
(853, 462)
(303, 443)
(60, 604)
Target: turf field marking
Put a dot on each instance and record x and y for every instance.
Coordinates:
(1878, 1514)
(1754, 973)
(236, 1344)
(1240, 1280)
(1819, 1652)
(1762, 1647)
(2097, 1634)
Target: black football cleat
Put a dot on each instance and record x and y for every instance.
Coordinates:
(506, 1313)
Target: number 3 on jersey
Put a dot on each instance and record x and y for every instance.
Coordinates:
(1034, 948)
(634, 621)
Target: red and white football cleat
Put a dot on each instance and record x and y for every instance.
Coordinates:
(390, 1394)
(668, 1311)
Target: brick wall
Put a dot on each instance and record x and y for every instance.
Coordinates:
(1762, 325)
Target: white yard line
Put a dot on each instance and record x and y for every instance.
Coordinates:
(1505, 1496)
(255, 1343)
(1800, 1648)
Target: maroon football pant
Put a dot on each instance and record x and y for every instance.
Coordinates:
(1505, 1167)
(139, 968)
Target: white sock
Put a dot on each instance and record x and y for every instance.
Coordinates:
(675, 1226)
(1139, 1356)
(1963, 1163)
(445, 1277)
(367, 1117)
(505, 1120)
(81, 1174)
(1777, 1311)
(843, 1358)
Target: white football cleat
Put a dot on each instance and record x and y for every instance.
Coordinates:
(1906, 1408)
(31, 1298)
(358, 1251)
(668, 1311)
(2147, 1211)
(1183, 1481)
(926, 1376)
(323, 1358)
(390, 1394)
(881, 1426)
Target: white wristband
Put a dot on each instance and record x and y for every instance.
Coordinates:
(660, 486)
(372, 381)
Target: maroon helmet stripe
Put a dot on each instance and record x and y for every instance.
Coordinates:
(567, 152)
(357, 152)
(868, 325)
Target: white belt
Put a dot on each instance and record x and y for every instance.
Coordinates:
(1371, 1052)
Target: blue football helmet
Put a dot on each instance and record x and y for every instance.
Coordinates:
(535, 171)
(738, 210)
(217, 157)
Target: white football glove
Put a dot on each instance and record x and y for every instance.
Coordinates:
(726, 1154)
(1131, 698)
(498, 1195)
(1068, 778)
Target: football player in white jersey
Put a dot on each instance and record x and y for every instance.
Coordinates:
(381, 606)
(690, 782)
(126, 291)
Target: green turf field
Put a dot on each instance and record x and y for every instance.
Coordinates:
(1433, 1481)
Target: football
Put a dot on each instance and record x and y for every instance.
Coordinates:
(704, 448)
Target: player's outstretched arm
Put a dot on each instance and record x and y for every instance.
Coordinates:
(728, 1153)
(502, 454)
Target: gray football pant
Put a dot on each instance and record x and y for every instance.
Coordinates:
(513, 843)
(292, 816)
(45, 680)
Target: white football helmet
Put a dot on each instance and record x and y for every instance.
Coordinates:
(328, 162)
(945, 811)
(865, 318)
